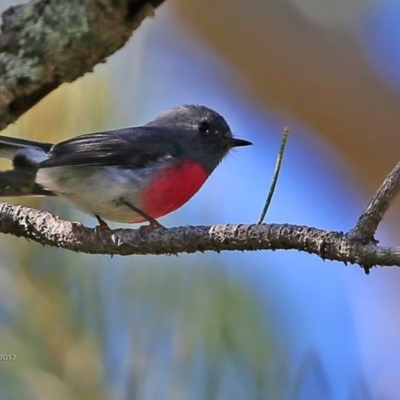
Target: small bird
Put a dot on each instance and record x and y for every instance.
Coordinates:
(127, 175)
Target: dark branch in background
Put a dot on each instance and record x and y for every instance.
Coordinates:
(48, 42)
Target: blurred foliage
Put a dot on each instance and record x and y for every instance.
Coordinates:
(84, 331)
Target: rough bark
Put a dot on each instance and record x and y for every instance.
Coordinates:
(45, 43)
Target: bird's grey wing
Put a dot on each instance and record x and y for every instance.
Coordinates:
(126, 148)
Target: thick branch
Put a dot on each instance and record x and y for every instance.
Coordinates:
(47, 229)
(47, 42)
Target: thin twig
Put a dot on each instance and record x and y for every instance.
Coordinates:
(276, 174)
(369, 220)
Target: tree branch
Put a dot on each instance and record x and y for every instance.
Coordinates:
(45, 43)
(352, 247)
(47, 229)
(369, 220)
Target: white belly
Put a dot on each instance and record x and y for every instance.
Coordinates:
(97, 190)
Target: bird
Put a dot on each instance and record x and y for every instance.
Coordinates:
(128, 175)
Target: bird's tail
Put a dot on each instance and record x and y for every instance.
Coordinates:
(25, 156)
(34, 151)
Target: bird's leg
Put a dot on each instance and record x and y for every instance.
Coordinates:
(103, 226)
(153, 223)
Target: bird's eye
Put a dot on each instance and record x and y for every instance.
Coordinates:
(203, 127)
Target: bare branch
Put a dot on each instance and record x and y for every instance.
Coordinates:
(47, 42)
(45, 228)
(369, 220)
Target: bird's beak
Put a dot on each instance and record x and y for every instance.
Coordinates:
(240, 142)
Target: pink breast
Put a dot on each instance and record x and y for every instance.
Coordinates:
(172, 188)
